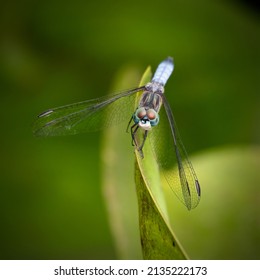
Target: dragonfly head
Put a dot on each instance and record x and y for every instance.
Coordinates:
(146, 118)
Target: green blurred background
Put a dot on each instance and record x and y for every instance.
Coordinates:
(57, 52)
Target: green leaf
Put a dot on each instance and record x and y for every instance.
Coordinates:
(158, 242)
(157, 238)
(118, 179)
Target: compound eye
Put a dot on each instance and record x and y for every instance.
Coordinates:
(141, 112)
(151, 114)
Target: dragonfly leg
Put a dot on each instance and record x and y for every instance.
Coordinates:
(140, 148)
(129, 124)
(134, 129)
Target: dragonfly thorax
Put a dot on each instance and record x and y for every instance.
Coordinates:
(154, 87)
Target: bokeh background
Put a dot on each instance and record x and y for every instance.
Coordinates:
(52, 204)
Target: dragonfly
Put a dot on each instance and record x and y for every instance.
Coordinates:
(152, 116)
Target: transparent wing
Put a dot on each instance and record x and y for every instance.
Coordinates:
(90, 115)
(173, 160)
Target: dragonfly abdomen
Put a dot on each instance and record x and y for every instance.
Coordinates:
(163, 71)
